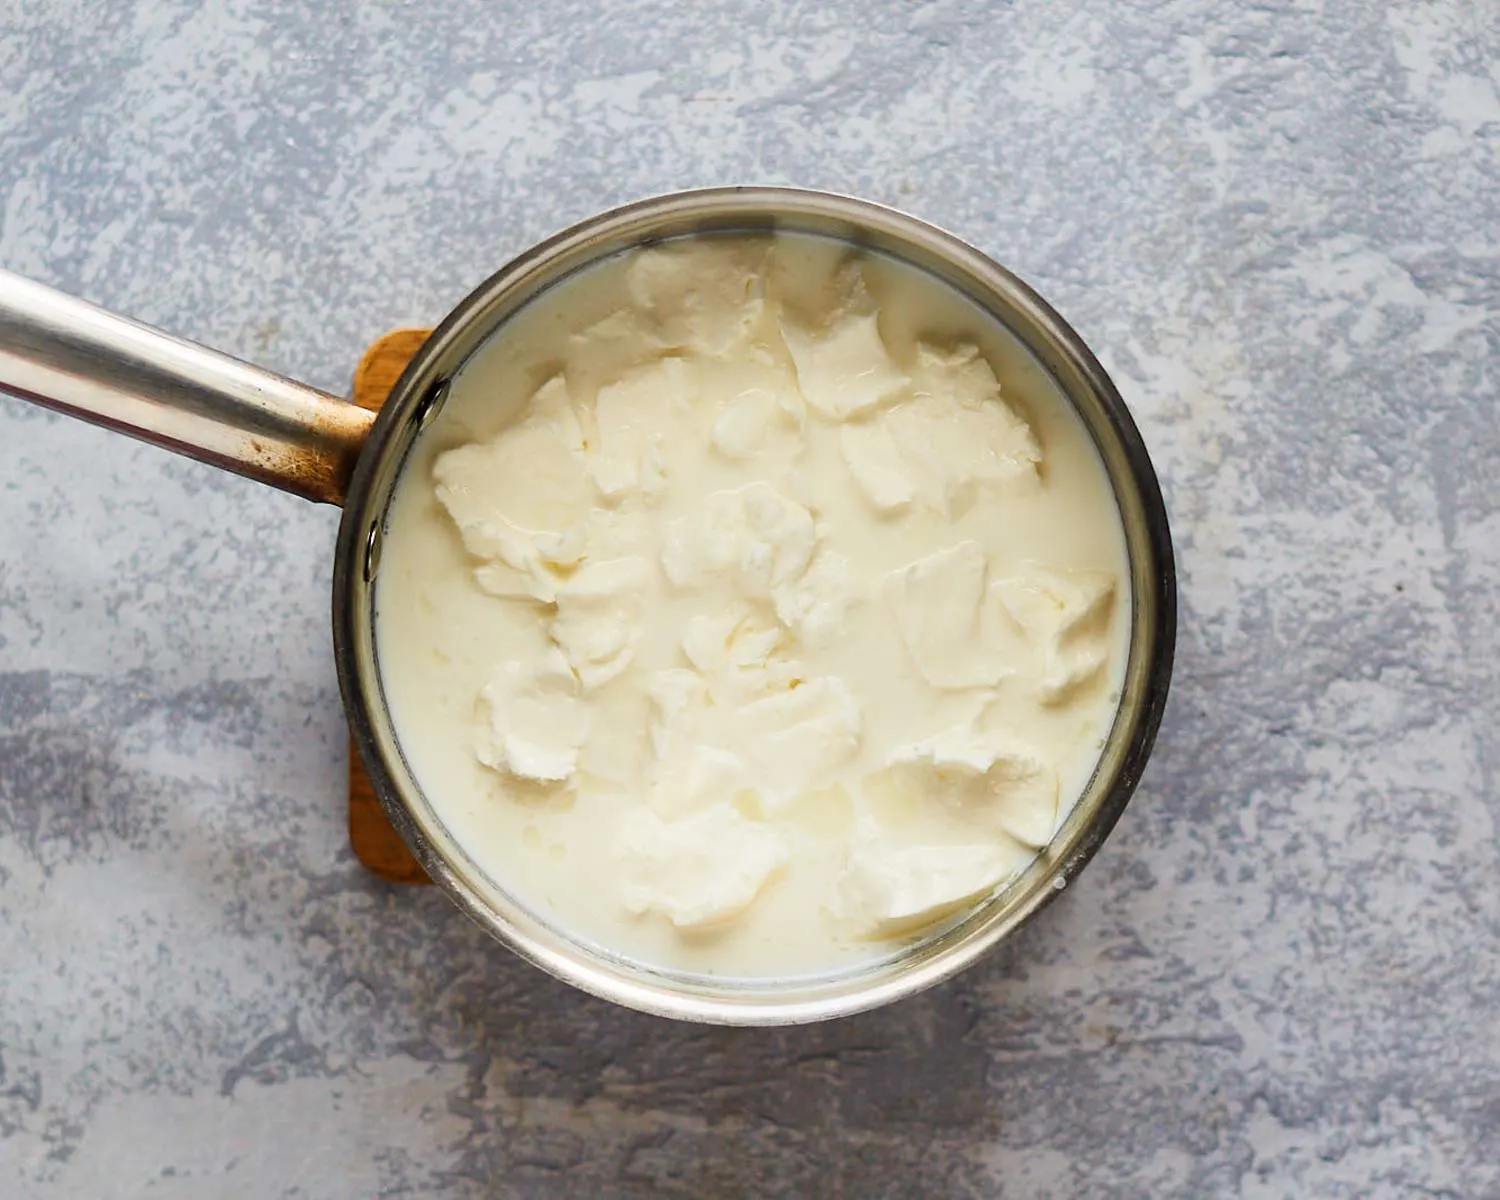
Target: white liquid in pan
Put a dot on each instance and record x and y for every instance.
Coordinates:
(752, 608)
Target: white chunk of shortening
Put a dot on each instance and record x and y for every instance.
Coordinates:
(798, 737)
(938, 601)
(814, 606)
(731, 640)
(896, 887)
(845, 369)
(1010, 789)
(709, 298)
(741, 428)
(632, 415)
(533, 722)
(1066, 615)
(763, 536)
(701, 870)
(877, 466)
(598, 622)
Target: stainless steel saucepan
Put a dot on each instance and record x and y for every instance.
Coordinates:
(71, 356)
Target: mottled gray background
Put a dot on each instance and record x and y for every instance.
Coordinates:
(1276, 222)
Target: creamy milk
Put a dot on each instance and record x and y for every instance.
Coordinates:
(751, 607)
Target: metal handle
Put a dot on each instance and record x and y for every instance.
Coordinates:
(66, 354)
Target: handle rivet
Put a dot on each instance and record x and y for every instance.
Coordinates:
(431, 404)
(373, 542)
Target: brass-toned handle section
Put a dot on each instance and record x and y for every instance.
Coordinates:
(69, 355)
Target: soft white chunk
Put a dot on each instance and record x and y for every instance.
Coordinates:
(742, 427)
(951, 451)
(898, 888)
(959, 373)
(598, 622)
(877, 466)
(798, 737)
(937, 602)
(532, 722)
(705, 297)
(633, 414)
(702, 870)
(1012, 790)
(697, 777)
(520, 500)
(730, 640)
(815, 605)
(845, 369)
(1067, 615)
(764, 537)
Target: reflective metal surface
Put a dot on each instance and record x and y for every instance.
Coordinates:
(1044, 334)
(71, 356)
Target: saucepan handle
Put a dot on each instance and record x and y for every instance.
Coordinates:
(69, 355)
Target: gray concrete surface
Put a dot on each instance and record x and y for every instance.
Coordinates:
(1277, 223)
